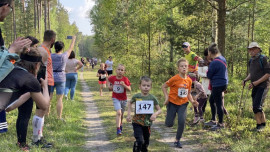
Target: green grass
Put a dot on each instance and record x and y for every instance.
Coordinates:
(66, 136)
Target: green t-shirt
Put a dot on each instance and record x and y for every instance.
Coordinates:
(143, 119)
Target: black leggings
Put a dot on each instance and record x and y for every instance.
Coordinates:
(216, 103)
(142, 135)
(24, 114)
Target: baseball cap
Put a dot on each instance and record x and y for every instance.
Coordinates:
(185, 44)
(253, 45)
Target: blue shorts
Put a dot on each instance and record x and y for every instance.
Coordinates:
(119, 104)
(60, 88)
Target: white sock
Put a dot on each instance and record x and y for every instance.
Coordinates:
(42, 125)
(37, 127)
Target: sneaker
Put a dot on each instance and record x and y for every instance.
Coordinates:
(121, 128)
(119, 132)
(66, 97)
(177, 144)
(196, 120)
(201, 120)
(217, 127)
(210, 123)
(260, 128)
(23, 146)
(43, 143)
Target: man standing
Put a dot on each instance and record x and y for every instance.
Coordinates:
(259, 73)
(46, 70)
(193, 59)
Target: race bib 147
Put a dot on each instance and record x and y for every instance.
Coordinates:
(145, 107)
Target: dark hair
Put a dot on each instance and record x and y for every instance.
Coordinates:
(49, 35)
(72, 55)
(110, 57)
(146, 79)
(30, 66)
(205, 53)
(59, 45)
(213, 49)
(33, 39)
(4, 2)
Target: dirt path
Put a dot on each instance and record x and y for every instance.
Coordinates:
(96, 140)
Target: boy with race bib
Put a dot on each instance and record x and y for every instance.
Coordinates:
(144, 114)
(120, 84)
(177, 99)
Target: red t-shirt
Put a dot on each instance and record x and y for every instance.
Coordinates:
(119, 92)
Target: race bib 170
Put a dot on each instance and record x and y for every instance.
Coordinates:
(182, 92)
(118, 88)
(145, 107)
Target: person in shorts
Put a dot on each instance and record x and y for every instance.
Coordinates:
(259, 72)
(102, 75)
(109, 66)
(120, 84)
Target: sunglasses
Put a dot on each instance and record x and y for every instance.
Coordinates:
(184, 46)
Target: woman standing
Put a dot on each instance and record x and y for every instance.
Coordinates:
(218, 75)
(72, 66)
(59, 60)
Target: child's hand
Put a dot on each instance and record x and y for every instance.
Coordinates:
(195, 103)
(153, 117)
(122, 83)
(128, 118)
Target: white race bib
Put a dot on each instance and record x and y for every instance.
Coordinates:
(103, 76)
(182, 92)
(145, 107)
(118, 88)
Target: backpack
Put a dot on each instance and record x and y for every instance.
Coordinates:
(261, 61)
(6, 62)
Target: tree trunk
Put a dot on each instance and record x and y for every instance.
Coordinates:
(14, 22)
(45, 15)
(221, 25)
(35, 17)
(149, 47)
(214, 23)
(49, 21)
(253, 20)
(248, 40)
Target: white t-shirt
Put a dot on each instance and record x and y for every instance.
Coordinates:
(109, 65)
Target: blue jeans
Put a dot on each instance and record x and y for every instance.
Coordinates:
(71, 81)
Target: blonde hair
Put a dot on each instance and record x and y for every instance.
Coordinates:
(121, 65)
(181, 60)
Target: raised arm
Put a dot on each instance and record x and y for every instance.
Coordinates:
(71, 45)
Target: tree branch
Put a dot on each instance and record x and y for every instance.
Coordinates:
(237, 6)
(213, 6)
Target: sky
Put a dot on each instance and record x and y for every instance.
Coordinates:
(78, 11)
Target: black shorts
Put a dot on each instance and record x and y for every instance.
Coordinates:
(258, 94)
(109, 72)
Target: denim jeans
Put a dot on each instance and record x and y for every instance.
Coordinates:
(71, 81)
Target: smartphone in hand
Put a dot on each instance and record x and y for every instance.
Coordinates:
(69, 37)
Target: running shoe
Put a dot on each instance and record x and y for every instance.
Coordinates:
(210, 123)
(217, 127)
(196, 120)
(43, 143)
(260, 128)
(119, 132)
(177, 144)
(23, 146)
(121, 128)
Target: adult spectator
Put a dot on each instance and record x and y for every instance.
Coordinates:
(109, 66)
(218, 75)
(193, 59)
(59, 60)
(72, 66)
(22, 79)
(259, 72)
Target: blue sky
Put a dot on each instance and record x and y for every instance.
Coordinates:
(78, 12)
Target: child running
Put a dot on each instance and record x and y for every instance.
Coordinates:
(120, 84)
(177, 100)
(102, 74)
(144, 114)
(201, 98)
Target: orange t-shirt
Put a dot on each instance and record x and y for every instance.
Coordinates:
(179, 89)
(49, 67)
